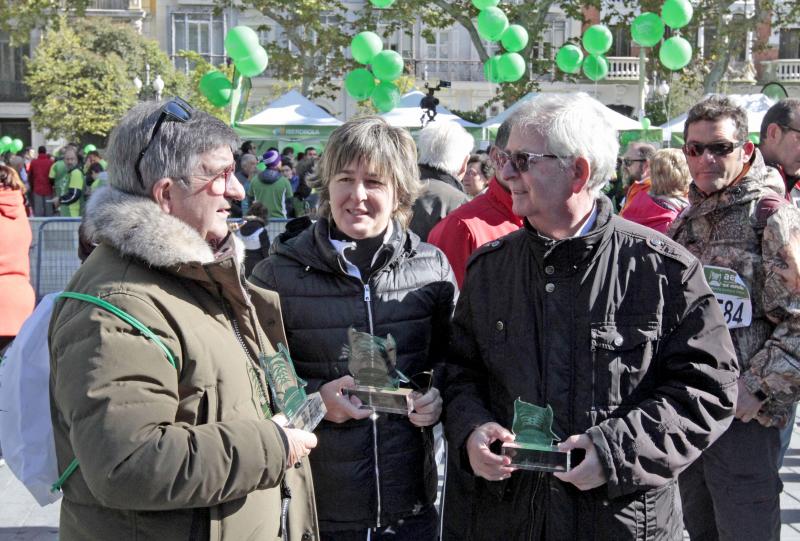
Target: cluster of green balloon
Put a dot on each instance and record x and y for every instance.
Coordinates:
(381, 4)
(597, 41)
(7, 144)
(216, 87)
(387, 66)
(243, 46)
(647, 30)
(493, 26)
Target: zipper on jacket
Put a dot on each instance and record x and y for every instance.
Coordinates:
(368, 302)
(593, 410)
(374, 417)
(262, 392)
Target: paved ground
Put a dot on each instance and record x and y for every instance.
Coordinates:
(21, 518)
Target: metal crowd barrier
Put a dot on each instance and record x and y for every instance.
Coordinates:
(54, 251)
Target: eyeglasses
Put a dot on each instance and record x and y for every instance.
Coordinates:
(627, 162)
(789, 128)
(226, 176)
(521, 161)
(722, 148)
(176, 110)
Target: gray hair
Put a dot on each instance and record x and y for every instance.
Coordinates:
(573, 125)
(173, 153)
(444, 146)
(388, 150)
(246, 159)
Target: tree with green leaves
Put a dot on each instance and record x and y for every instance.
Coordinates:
(81, 76)
(19, 17)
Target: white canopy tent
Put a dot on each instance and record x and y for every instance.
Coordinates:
(756, 106)
(408, 113)
(290, 117)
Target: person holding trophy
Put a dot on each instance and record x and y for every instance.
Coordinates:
(366, 309)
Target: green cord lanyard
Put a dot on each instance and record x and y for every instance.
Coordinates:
(133, 322)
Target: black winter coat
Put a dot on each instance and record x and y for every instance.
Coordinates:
(619, 333)
(410, 294)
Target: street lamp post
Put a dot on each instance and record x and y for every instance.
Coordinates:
(157, 84)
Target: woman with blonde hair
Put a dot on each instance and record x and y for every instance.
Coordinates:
(360, 266)
(666, 199)
(17, 299)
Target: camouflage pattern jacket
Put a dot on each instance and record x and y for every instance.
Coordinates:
(722, 230)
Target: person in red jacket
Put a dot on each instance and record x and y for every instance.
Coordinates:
(670, 179)
(17, 299)
(482, 220)
(42, 188)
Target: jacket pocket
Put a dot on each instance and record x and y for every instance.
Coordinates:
(209, 406)
(621, 356)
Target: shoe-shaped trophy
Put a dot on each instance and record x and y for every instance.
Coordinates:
(288, 394)
(372, 362)
(533, 447)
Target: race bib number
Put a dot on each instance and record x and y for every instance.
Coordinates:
(732, 295)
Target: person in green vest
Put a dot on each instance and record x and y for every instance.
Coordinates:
(271, 188)
(71, 200)
(58, 176)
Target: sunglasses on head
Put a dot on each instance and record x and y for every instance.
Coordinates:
(176, 110)
(627, 162)
(723, 148)
(521, 161)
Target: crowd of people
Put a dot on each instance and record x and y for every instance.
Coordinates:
(654, 316)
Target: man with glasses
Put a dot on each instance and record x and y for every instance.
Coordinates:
(177, 440)
(780, 143)
(607, 322)
(748, 238)
(635, 168)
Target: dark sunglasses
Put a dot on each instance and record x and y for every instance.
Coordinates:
(723, 148)
(521, 161)
(176, 110)
(627, 162)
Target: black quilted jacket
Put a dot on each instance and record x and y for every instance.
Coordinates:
(411, 296)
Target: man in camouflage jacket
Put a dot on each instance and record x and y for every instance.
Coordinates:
(748, 238)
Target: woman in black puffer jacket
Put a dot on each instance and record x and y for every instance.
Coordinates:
(358, 266)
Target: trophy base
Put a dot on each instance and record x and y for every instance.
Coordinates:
(550, 460)
(310, 413)
(382, 400)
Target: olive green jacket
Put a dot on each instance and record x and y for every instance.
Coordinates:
(168, 453)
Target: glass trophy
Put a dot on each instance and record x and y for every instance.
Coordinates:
(288, 394)
(372, 362)
(533, 447)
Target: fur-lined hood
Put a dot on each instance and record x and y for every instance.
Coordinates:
(137, 227)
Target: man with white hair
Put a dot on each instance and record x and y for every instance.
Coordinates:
(609, 323)
(444, 149)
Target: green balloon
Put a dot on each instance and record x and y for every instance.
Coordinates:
(387, 65)
(647, 29)
(385, 97)
(16, 145)
(645, 123)
(381, 3)
(675, 53)
(597, 39)
(492, 22)
(216, 87)
(569, 58)
(261, 166)
(365, 46)
(491, 69)
(514, 39)
(89, 148)
(677, 13)
(254, 64)
(5, 141)
(241, 42)
(511, 67)
(359, 83)
(595, 67)
(483, 4)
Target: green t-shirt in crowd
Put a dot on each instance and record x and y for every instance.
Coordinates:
(58, 175)
(75, 180)
(277, 196)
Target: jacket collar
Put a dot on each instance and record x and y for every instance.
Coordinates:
(568, 255)
(502, 200)
(756, 182)
(136, 227)
(426, 172)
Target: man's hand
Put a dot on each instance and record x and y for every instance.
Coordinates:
(747, 405)
(588, 474)
(300, 444)
(484, 462)
(427, 408)
(341, 408)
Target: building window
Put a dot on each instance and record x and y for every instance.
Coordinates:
(439, 48)
(199, 31)
(398, 41)
(789, 44)
(11, 70)
(552, 37)
(621, 46)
